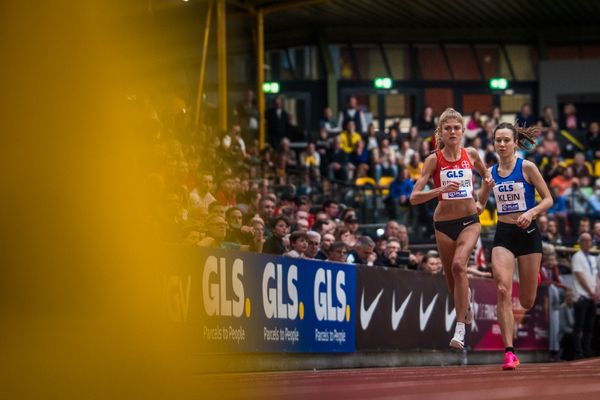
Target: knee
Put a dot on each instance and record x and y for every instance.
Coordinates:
(504, 292)
(527, 302)
(458, 267)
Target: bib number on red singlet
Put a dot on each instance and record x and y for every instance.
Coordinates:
(464, 177)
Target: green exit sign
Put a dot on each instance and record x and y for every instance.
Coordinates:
(271, 87)
(498, 83)
(382, 83)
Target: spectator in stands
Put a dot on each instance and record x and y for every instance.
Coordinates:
(200, 197)
(285, 161)
(473, 127)
(525, 117)
(362, 251)
(237, 232)
(414, 140)
(570, 121)
(550, 276)
(567, 324)
(343, 234)
(314, 241)
(351, 222)
(217, 208)
(278, 122)
(327, 240)
(266, 208)
(353, 113)
(596, 235)
(191, 235)
(496, 117)
(360, 155)
(579, 166)
(337, 252)
(587, 290)
(553, 235)
(405, 153)
(593, 141)
(248, 116)
(310, 161)
(385, 161)
(426, 121)
(349, 137)
(372, 137)
(550, 146)
(431, 264)
(414, 167)
(298, 243)
(398, 200)
(274, 243)
(336, 162)
(548, 121)
(542, 221)
(552, 168)
(563, 180)
(226, 194)
(216, 231)
(233, 145)
(490, 158)
(594, 200)
(328, 123)
(389, 257)
(332, 208)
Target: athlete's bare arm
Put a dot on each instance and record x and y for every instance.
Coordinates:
(532, 174)
(418, 196)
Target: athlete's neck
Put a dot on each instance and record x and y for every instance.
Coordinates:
(452, 153)
(508, 163)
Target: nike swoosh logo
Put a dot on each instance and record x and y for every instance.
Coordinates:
(450, 316)
(467, 223)
(398, 314)
(425, 315)
(531, 230)
(365, 315)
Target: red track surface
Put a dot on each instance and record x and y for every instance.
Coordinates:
(564, 381)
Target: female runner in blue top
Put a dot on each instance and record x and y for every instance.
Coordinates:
(517, 234)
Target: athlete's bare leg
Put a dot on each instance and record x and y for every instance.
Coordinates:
(503, 267)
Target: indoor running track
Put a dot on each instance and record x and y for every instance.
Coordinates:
(555, 381)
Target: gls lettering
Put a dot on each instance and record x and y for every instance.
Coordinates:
(214, 287)
(273, 303)
(505, 188)
(455, 174)
(324, 308)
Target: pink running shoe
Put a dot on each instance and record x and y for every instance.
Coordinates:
(510, 361)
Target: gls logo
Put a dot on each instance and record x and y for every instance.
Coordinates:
(214, 288)
(324, 306)
(273, 297)
(505, 188)
(455, 174)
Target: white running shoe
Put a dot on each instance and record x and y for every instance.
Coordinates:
(458, 341)
(469, 316)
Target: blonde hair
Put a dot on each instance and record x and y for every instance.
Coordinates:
(449, 113)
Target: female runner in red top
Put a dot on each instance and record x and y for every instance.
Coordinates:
(456, 216)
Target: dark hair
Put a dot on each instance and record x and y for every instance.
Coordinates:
(521, 135)
(297, 235)
(275, 220)
(230, 210)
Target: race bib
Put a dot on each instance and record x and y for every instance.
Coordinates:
(510, 197)
(464, 177)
